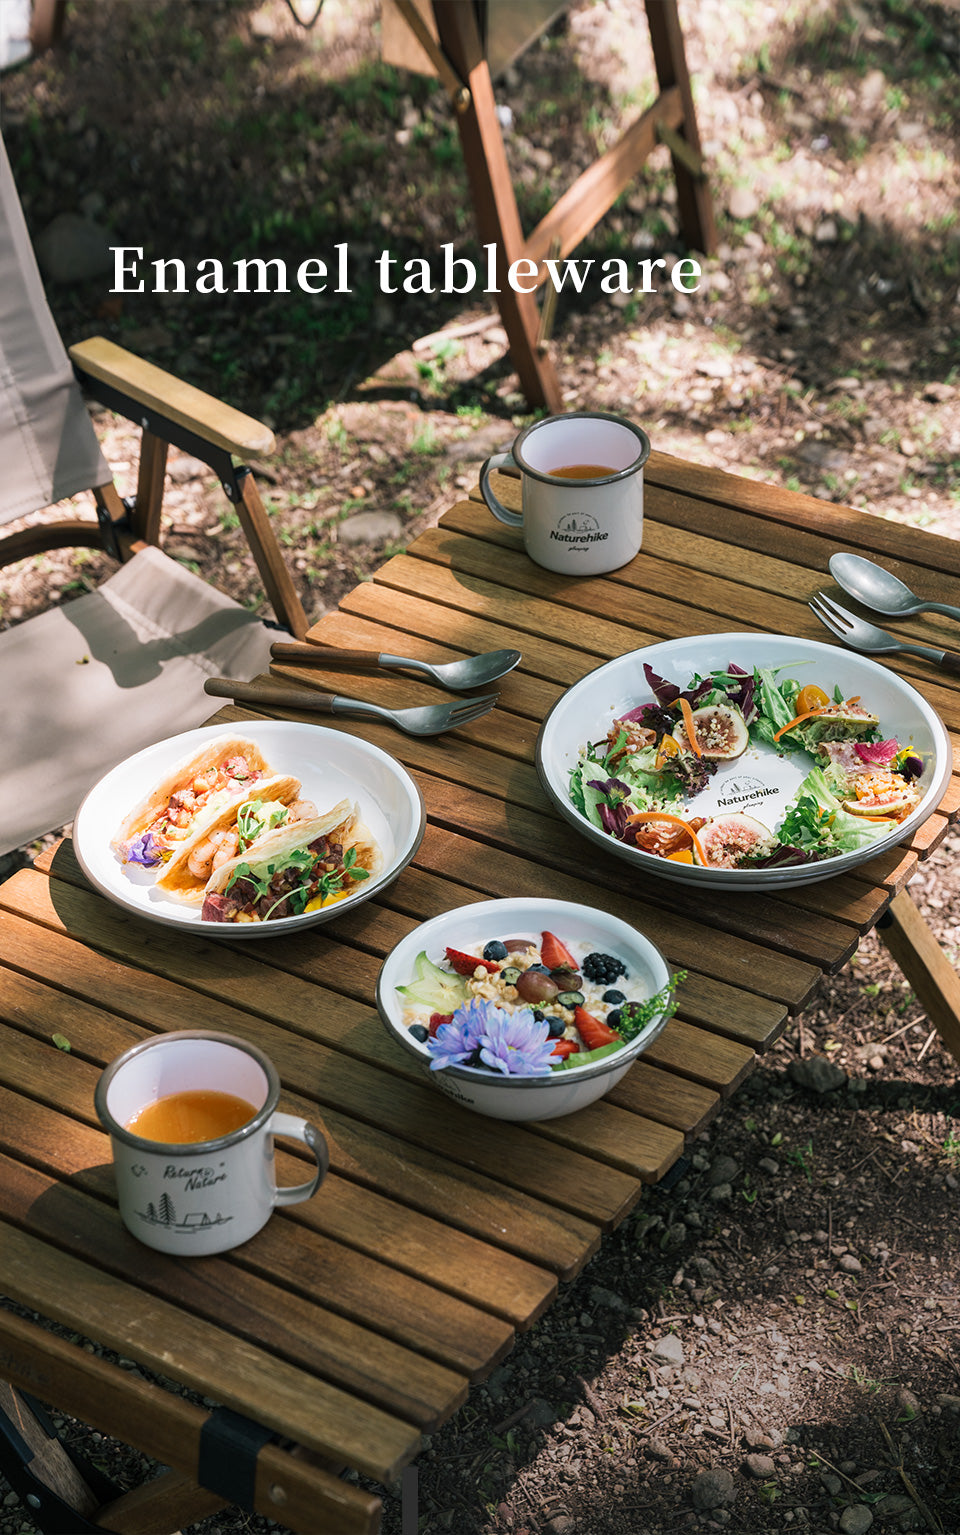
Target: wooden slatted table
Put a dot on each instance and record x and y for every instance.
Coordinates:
(356, 1322)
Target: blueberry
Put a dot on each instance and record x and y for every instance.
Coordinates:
(420, 1031)
(555, 1027)
(613, 996)
(613, 1019)
(495, 949)
(538, 969)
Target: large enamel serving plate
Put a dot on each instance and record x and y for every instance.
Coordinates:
(331, 765)
(761, 783)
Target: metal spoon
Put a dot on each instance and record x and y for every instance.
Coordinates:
(878, 589)
(472, 672)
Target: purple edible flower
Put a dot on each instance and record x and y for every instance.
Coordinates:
(614, 790)
(480, 1033)
(516, 1044)
(457, 1041)
(145, 850)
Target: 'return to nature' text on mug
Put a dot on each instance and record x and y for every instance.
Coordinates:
(192, 1116)
(582, 491)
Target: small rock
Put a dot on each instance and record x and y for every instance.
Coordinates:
(907, 1404)
(560, 1524)
(817, 1074)
(850, 1264)
(657, 1450)
(831, 1484)
(668, 1350)
(712, 1489)
(742, 203)
(760, 1466)
(370, 528)
(722, 1194)
(948, 1402)
(769, 1165)
(893, 1504)
(72, 249)
(607, 1298)
(722, 1170)
(540, 1414)
(826, 232)
(856, 1519)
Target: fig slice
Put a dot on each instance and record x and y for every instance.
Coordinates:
(722, 734)
(726, 839)
(890, 804)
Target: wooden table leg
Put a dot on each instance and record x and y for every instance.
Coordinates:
(694, 202)
(905, 933)
(495, 205)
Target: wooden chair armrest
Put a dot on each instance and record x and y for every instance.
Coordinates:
(153, 388)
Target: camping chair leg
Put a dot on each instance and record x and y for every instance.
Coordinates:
(281, 591)
(150, 479)
(494, 202)
(907, 937)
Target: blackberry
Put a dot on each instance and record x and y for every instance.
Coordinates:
(495, 949)
(603, 969)
(420, 1031)
(613, 997)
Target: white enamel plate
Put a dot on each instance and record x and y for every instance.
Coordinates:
(331, 765)
(761, 783)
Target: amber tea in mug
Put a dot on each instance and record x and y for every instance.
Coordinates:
(582, 491)
(198, 1115)
(192, 1117)
(582, 471)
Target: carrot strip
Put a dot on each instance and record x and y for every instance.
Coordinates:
(811, 714)
(689, 727)
(674, 820)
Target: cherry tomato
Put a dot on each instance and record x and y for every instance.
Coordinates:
(811, 697)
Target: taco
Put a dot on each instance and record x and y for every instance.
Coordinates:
(225, 832)
(295, 869)
(225, 770)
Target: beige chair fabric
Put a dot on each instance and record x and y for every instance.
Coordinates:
(48, 448)
(87, 684)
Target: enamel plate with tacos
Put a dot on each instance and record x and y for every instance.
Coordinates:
(224, 833)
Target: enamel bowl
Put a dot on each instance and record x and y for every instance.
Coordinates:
(514, 1097)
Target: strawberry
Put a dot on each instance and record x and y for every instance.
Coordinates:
(466, 964)
(565, 1047)
(554, 954)
(593, 1031)
(436, 1019)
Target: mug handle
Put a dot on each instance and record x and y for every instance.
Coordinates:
(498, 461)
(301, 1130)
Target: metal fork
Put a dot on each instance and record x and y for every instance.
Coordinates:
(431, 720)
(860, 635)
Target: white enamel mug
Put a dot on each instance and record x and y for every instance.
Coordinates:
(200, 1197)
(578, 526)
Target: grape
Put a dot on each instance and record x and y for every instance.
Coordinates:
(534, 986)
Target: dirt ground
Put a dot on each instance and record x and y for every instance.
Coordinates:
(771, 1343)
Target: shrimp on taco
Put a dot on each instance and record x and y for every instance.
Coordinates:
(223, 772)
(295, 869)
(231, 831)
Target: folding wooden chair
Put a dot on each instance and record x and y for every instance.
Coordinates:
(86, 684)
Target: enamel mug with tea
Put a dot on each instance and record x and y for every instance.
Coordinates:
(214, 1187)
(582, 491)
